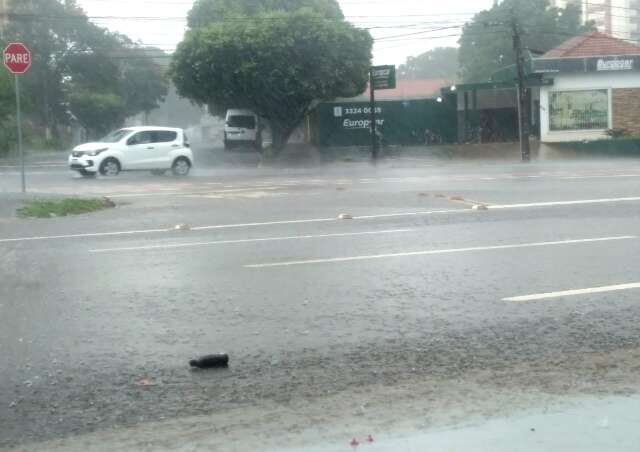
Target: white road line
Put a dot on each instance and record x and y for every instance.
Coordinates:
(151, 195)
(75, 236)
(409, 214)
(232, 226)
(322, 220)
(570, 293)
(257, 240)
(434, 252)
(189, 193)
(563, 203)
(37, 165)
(600, 176)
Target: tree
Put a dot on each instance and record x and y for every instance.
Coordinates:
(73, 56)
(7, 95)
(441, 62)
(97, 112)
(276, 64)
(48, 39)
(205, 12)
(143, 83)
(7, 109)
(486, 43)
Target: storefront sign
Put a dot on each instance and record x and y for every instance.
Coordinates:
(586, 65)
(614, 65)
(354, 124)
(356, 116)
(384, 77)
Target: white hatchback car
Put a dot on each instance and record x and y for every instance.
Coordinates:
(157, 149)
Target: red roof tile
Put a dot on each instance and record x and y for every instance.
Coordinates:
(593, 44)
(413, 89)
(409, 89)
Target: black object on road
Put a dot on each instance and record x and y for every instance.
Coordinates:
(211, 361)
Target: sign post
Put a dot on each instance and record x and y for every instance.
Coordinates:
(380, 77)
(17, 59)
(372, 126)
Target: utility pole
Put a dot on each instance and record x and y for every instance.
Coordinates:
(522, 93)
(372, 105)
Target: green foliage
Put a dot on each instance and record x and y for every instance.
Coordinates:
(7, 95)
(486, 43)
(276, 64)
(72, 55)
(97, 112)
(441, 62)
(205, 12)
(143, 85)
(617, 133)
(8, 135)
(62, 208)
(7, 111)
(621, 147)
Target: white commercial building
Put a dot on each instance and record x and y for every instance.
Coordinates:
(593, 86)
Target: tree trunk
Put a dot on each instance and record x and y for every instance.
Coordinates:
(280, 136)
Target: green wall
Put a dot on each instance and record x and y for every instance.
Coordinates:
(403, 122)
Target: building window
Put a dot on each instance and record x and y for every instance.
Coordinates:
(579, 110)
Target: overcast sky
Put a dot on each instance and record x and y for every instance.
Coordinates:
(161, 23)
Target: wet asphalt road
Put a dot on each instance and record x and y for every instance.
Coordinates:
(100, 313)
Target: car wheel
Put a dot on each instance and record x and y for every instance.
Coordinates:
(158, 172)
(181, 166)
(85, 173)
(110, 167)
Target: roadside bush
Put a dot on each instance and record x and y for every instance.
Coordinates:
(8, 136)
(63, 207)
(617, 133)
(621, 147)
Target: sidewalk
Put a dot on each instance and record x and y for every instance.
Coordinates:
(591, 425)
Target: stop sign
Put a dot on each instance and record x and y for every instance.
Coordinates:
(17, 58)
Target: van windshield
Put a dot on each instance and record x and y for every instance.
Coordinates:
(244, 122)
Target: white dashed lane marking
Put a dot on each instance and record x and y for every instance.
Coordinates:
(437, 252)
(256, 240)
(574, 292)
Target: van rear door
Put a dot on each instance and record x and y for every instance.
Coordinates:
(241, 128)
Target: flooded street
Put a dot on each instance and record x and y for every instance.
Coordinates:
(454, 292)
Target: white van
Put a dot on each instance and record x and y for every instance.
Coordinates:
(242, 128)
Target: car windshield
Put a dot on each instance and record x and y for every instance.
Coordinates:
(115, 136)
(243, 122)
(320, 225)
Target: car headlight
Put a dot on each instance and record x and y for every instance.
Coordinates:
(96, 152)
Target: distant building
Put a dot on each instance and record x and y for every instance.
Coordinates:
(618, 18)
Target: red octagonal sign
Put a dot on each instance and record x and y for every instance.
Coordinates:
(17, 58)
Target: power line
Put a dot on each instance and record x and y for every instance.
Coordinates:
(408, 37)
(383, 38)
(33, 16)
